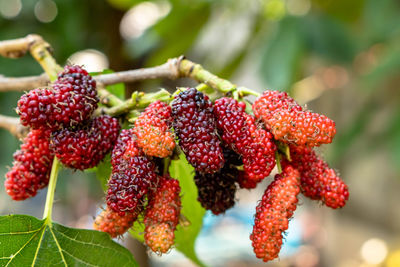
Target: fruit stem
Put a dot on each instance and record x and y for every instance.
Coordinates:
(107, 98)
(189, 69)
(41, 51)
(278, 161)
(50, 191)
(167, 162)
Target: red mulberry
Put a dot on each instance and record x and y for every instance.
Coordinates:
(112, 223)
(195, 127)
(85, 146)
(318, 181)
(152, 129)
(133, 175)
(162, 215)
(32, 166)
(273, 213)
(289, 123)
(71, 101)
(240, 132)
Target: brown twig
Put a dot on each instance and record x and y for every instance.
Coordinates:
(23, 83)
(13, 125)
(18, 47)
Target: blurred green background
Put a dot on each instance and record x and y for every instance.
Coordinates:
(340, 58)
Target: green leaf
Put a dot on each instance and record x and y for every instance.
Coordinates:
(281, 57)
(185, 236)
(28, 241)
(103, 171)
(117, 89)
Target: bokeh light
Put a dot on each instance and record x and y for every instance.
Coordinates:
(141, 17)
(10, 8)
(46, 11)
(274, 9)
(92, 60)
(374, 251)
(298, 7)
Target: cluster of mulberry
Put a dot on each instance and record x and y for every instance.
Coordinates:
(228, 148)
(60, 118)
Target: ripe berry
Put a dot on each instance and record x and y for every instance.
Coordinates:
(71, 101)
(273, 213)
(242, 135)
(289, 123)
(86, 145)
(112, 223)
(244, 181)
(133, 176)
(162, 215)
(318, 181)
(216, 192)
(152, 129)
(195, 126)
(31, 167)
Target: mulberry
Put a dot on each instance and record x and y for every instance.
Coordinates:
(273, 213)
(318, 180)
(289, 123)
(195, 127)
(242, 135)
(85, 146)
(152, 129)
(133, 176)
(162, 215)
(112, 223)
(71, 101)
(31, 167)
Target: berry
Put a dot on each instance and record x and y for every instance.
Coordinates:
(31, 167)
(133, 175)
(162, 215)
(120, 146)
(195, 127)
(244, 181)
(71, 101)
(289, 123)
(152, 129)
(318, 180)
(159, 237)
(112, 223)
(242, 135)
(216, 192)
(273, 213)
(86, 145)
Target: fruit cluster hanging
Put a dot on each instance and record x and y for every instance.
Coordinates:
(228, 148)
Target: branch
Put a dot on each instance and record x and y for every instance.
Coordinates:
(18, 47)
(23, 83)
(167, 70)
(13, 125)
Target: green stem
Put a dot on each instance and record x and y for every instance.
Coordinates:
(107, 98)
(278, 161)
(189, 69)
(51, 189)
(41, 51)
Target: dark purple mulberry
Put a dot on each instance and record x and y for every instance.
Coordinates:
(195, 127)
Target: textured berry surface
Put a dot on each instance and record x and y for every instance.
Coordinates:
(71, 101)
(133, 175)
(112, 223)
(86, 145)
(195, 127)
(289, 123)
(31, 167)
(244, 181)
(159, 237)
(273, 213)
(216, 192)
(318, 180)
(162, 215)
(242, 135)
(152, 129)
